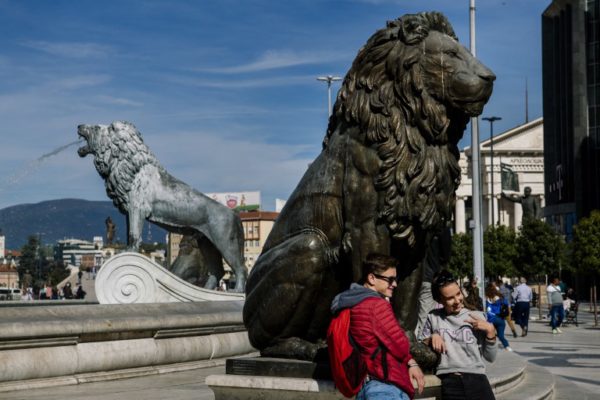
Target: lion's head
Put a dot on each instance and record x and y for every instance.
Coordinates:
(119, 153)
(411, 91)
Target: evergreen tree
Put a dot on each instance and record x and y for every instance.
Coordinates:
(29, 258)
(586, 248)
(540, 249)
(500, 251)
(461, 256)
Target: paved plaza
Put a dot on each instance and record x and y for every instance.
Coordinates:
(573, 355)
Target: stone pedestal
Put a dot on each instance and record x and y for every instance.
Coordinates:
(277, 379)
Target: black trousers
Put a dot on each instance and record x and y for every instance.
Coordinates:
(466, 387)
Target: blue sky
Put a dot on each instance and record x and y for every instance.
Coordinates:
(224, 92)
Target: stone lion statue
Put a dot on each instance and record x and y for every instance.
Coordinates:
(142, 189)
(384, 183)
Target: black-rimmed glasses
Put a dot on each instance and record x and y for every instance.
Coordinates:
(388, 279)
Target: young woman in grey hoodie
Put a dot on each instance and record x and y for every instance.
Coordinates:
(463, 338)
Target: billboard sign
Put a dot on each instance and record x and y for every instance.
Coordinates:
(240, 201)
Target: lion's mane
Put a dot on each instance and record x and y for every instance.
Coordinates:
(119, 158)
(385, 96)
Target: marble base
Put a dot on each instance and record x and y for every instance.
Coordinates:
(261, 378)
(131, 277)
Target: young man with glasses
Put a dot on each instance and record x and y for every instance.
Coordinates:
(463, 338)
(377, 334)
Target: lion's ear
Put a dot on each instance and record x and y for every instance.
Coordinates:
(413, 29)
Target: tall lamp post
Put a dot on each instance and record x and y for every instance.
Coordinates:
(329, 79)
(492, 120)
(478, 267)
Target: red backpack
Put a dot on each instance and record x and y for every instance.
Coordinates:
(348, 368)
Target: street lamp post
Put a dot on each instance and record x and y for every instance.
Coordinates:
(329, 79)
(492, 120)
(478, 267)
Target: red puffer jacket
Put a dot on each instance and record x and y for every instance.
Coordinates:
(378, 334)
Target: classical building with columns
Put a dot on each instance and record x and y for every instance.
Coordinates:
(520, 150)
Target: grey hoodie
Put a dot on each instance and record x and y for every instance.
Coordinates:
(351, 297)
(464, 346)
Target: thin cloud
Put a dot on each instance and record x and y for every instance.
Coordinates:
(70, 49)
(245, 83)
(274, 59)
(120, 101)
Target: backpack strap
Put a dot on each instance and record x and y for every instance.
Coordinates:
(384, 364)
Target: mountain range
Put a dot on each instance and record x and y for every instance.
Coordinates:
(55, 220)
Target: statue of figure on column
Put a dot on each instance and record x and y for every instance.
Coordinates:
(530, 204)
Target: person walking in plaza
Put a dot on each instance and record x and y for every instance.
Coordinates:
(506, 293)
(383, 345)
(555, 304)
(463, 338)
(522, 297)
(497, 309)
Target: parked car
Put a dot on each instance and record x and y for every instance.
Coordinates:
(10, 293)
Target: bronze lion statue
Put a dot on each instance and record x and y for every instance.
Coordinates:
(384, 183)
(142, 189)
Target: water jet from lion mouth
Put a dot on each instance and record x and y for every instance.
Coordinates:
(32, 166)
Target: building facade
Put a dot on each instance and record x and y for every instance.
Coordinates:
(519, 151)
(571, 86)
(79, 253)
(256, 224)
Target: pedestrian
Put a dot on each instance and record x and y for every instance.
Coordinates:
(496, 310)
(555, 304)
(67, 291)
(383, 344)
(506, 293)
(80, 293)
(463, 338)
(79, 276)
(522, 296)
(473, 300)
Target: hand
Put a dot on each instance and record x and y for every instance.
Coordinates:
(437, 343)
(479, 324)
(416, 374)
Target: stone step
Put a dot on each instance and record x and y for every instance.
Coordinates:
(537, 384)
(507, 372)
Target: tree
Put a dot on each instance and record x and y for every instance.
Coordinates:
(29, 257)
(541, 250)
(500, 251)
(586, 248)
(461, 255)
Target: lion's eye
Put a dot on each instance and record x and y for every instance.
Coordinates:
(452, 53)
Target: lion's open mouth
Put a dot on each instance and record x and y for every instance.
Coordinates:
(83, 135)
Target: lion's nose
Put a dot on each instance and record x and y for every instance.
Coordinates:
(486, 74)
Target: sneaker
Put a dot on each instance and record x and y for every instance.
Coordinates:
(554, 331)
(508, 348)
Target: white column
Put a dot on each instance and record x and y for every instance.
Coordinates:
(489, 210)
(518, 214)
(459, 216)
(495, 210)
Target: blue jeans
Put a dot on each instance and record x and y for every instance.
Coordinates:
(377, 390)
(500, 326)
(557, 314)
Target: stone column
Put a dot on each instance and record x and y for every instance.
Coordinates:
(459, 216)
(518, 214)
(495, 210)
